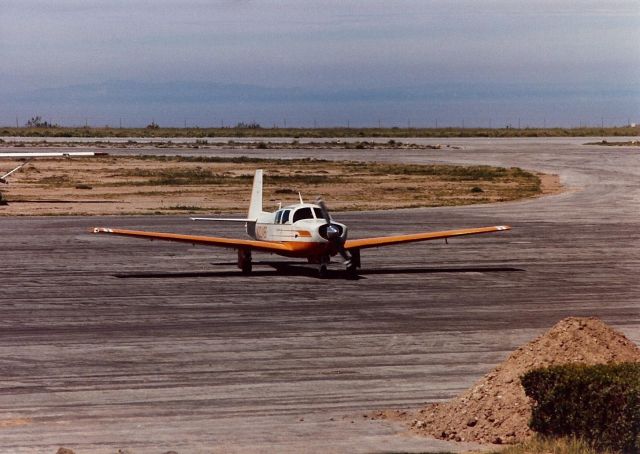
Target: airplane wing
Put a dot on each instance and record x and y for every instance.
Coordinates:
(3, 177)
(231, 243)
(399, 239)
(50, 154)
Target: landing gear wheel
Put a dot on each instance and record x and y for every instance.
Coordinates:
(244, 261)
(246, 268)
(353, 264)
(323, 271)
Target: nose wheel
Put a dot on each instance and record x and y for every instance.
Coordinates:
(323, 268)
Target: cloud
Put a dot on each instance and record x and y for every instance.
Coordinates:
(342, 45)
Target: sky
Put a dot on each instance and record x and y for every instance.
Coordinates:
(324, 63)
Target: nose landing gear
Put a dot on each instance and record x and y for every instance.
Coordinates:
(323, 269)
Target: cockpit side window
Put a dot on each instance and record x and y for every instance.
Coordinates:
(318, 213)
(302, 213)
(285, 216)
(278, 216)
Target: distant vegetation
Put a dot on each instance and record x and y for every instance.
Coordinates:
(38, 122)
(44, 129)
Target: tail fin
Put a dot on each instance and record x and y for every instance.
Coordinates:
(255, 206)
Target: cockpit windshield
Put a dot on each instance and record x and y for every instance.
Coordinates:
(318, 213)
(302, 213)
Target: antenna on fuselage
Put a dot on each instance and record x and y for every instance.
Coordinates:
(300, 197)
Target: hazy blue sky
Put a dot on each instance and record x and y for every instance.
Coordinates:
(329, 61)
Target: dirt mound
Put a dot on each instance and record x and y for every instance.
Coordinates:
(496, 409)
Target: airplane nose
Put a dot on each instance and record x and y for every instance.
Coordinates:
(330, 231)
(333, 231)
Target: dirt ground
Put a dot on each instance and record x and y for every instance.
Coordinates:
(110, 185)
(496, 409)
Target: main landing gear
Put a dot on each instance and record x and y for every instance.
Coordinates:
(244, 261)
(353, 263)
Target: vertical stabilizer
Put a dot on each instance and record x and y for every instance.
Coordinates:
(255, 206)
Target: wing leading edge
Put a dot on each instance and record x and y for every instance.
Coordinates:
(265, 246)
(400, 239)
(289, 248)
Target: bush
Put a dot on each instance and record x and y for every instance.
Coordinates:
(600, 403)
(38, 122)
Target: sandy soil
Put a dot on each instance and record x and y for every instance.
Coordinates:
(112, 185)
(496, 409)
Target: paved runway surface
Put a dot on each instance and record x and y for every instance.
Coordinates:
(111, 343)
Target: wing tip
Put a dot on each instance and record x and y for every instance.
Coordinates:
(101, 230)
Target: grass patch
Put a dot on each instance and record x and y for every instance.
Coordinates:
(451, 172)
(231, 160)
(219, 184)
(199, 176)
(55, 181)
(394, 132)
(541, 445)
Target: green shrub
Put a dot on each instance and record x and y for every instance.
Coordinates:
(600, 403)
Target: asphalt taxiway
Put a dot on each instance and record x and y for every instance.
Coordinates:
(111, 343)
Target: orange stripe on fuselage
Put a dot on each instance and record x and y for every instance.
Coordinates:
(286, 248)
(307, 249)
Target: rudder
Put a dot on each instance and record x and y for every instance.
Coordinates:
(255, 205)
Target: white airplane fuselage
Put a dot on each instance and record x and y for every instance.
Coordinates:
(302, 224)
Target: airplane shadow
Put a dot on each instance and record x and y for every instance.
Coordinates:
(292, 269)
(434, 270)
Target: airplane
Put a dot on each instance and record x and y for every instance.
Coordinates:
(303, 230)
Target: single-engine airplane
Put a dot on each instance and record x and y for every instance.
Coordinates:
(302, 230)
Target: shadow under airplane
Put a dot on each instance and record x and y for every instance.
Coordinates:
(295, 269)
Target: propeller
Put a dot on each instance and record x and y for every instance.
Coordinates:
(333, 232)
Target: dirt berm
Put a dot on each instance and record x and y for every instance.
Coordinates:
(496, 409)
